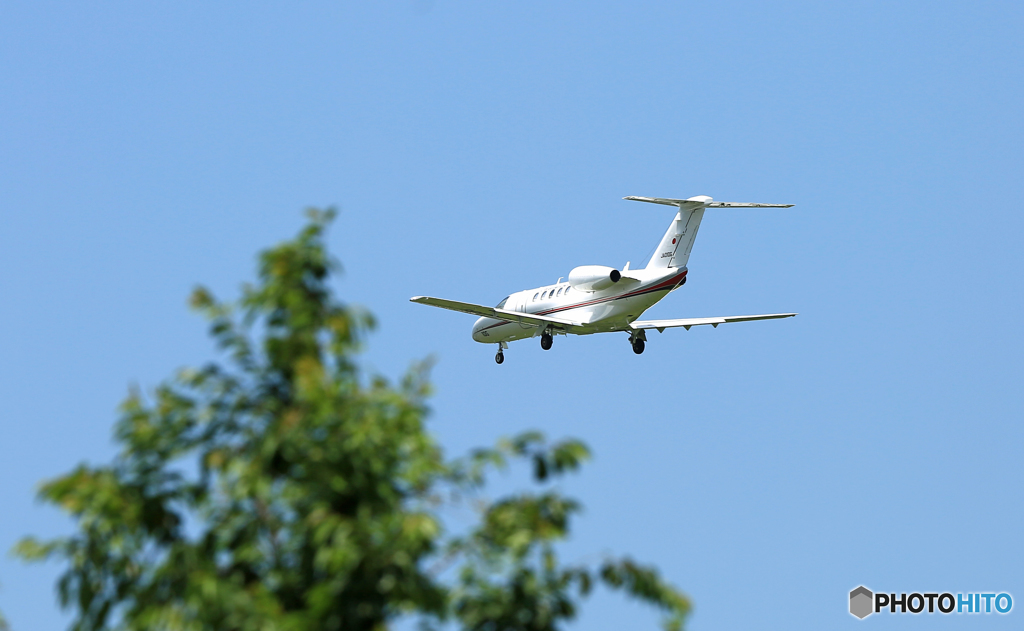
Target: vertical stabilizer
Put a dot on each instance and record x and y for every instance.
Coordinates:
(675, 246)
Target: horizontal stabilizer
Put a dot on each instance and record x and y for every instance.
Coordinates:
(702, 200)
(686, 323)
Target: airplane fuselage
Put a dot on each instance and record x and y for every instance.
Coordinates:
(609, 309)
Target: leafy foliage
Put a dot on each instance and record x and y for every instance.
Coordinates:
(282, 489)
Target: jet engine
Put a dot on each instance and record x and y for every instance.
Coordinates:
(593, 277)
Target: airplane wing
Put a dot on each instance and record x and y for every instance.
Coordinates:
(497, 314)
(686, 323)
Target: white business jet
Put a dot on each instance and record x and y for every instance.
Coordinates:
(599, 299)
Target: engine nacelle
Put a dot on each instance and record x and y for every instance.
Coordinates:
(593, 277)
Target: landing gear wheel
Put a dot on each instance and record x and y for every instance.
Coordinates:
(545, 341)
(638, 346)
(500, 357)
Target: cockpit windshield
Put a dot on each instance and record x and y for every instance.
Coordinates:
(502, 303)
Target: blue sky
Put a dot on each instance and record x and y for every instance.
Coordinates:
(767, 468)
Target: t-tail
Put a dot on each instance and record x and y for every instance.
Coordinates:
(674, 248)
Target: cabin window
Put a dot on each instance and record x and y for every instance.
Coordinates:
(535, 297)
(544, 295)
(502, 303)
(567, 288)
(560, 291)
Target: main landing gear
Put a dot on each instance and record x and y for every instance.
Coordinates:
(545, 341)
(500, 357)
(637, 339)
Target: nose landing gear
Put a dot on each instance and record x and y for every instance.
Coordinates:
(500, 357)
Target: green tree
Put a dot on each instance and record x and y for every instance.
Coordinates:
(281, 488)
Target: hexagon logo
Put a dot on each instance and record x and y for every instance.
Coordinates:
(861, 600)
